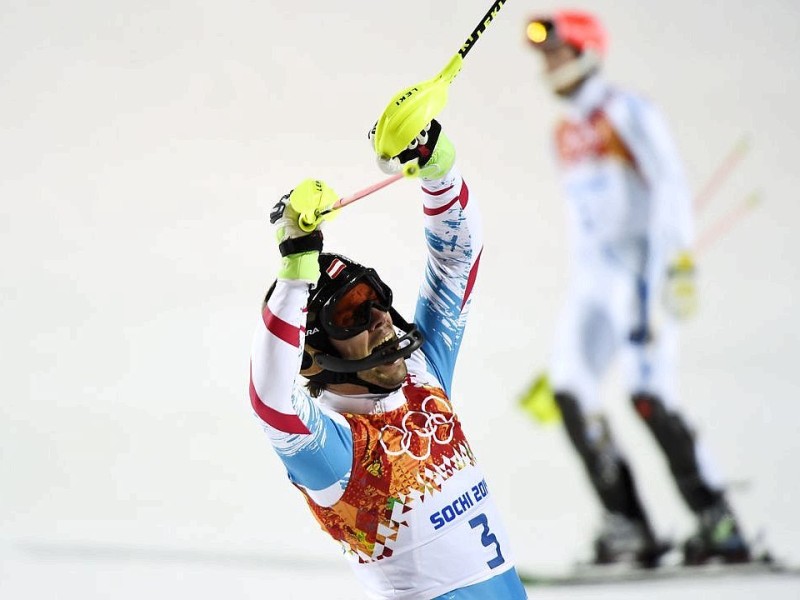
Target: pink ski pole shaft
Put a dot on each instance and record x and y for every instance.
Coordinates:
(718, 230)
(342, 202)
(723, 170)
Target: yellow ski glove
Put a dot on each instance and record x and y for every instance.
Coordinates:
(680, 288)
(430, 154)
(298, 217)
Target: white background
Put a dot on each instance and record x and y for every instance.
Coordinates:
(143, 144)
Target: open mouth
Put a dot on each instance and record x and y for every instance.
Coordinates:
(388, 343)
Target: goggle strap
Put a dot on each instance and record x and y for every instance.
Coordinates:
(399, 321)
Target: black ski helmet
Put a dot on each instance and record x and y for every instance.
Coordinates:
(321, 361)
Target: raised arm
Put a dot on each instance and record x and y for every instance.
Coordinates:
(454, 236)
(315, 446)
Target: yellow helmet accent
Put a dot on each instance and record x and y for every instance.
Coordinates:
(411, 109)
(309, 198)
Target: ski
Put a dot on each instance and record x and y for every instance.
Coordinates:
(625, 573)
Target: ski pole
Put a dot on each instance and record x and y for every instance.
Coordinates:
(713, 233)
(480, 28)
(722, 171)
(370, 189)
(414, 107)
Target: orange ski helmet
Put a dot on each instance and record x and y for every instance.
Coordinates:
(578, 28)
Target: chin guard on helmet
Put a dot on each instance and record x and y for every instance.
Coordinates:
(402, 348)
(321, 362)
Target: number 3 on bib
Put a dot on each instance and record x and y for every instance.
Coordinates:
(488, 539)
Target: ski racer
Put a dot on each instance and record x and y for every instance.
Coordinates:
(372, 441)
(632, 279)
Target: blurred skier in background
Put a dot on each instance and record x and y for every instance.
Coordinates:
(632, 279)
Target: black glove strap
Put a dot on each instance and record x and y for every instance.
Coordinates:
(307, 243)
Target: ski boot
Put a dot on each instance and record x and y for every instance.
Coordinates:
(718, 537)
(622, 539)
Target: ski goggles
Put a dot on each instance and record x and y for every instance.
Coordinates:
(349, 311)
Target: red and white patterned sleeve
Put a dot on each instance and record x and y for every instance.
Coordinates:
(275, 358)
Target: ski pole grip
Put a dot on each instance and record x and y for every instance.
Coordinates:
(306, 223)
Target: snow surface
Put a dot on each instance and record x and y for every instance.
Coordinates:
(142, 146)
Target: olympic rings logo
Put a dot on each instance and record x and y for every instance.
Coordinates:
(419, 430)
